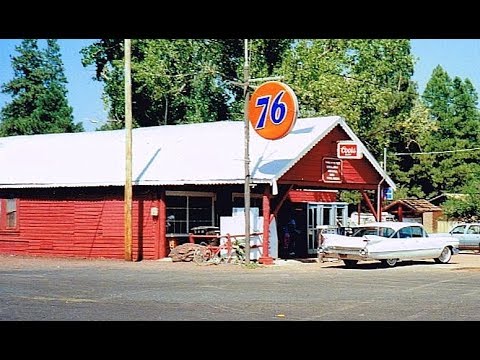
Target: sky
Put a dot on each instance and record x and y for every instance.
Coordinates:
(459, 57)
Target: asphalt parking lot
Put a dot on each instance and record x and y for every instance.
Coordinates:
(55, 289)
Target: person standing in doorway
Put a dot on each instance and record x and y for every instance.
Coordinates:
(293, 233)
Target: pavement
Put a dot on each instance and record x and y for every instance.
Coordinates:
(465, 259)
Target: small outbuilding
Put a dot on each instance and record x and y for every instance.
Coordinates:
(416, 210)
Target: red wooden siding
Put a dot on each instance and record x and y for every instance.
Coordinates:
(80, 228)
(308, 171)
(306, 196)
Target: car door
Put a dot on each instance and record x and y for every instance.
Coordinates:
(419, 244)
(459, 232)
(405, 246)
(471, 238)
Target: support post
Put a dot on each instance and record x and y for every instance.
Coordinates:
(162, 218)
(266, 258)
(128, 152)
(369, 204)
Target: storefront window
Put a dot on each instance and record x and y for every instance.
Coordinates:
(177, 214)
(200, 211)
(188, 210)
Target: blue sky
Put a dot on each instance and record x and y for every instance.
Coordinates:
(459, 57)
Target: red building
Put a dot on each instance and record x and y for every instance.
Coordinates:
(63, 194)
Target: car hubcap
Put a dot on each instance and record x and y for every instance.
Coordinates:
(391, 262)
(445, 255)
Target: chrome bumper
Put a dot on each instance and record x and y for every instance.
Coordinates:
(353, 254)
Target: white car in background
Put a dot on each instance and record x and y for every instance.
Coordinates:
(388, 242)
(468, 235)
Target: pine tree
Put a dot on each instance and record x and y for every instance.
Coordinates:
(452, 104)
(39, 96)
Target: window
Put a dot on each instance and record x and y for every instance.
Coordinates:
(417, 232)
(405, 232)
(373, 230)
(458, 230)
(8, 214)
(474, 229)
(186, 210)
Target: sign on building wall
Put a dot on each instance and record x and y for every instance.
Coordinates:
(388, 193)
(348, 150)
(332, 170)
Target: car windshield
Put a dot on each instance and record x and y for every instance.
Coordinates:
(374, 230)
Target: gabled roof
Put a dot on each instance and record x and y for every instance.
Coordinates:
(202, 153)
(418, 206)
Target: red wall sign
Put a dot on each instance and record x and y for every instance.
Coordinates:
(273, 110)
(348, 150)
(332, 170)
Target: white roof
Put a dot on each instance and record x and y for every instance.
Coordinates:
(202, 153)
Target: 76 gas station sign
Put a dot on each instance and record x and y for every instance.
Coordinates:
(273, 110)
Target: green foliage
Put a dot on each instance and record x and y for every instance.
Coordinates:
(39, 103)
(467, 206)
(438, 94)
(178, 81)
(351, 197)
(402, 193)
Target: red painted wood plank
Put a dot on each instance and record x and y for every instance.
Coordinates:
(79, 228)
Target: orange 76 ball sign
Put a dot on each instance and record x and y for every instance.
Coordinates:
(273, 110)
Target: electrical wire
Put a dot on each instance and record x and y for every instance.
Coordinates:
(437, 152)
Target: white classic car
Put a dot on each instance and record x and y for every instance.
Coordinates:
(389, 242)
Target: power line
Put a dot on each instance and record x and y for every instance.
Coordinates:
(437, 152)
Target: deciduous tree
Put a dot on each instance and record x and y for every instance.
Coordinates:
(180, 80)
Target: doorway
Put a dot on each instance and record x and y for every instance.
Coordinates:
(333, 215)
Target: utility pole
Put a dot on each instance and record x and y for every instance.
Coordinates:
(128, 152)
(246, 85)
(380, 189)
(246, 80)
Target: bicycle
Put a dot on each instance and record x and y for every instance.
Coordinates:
(229, 253)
